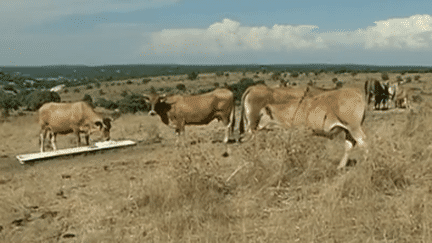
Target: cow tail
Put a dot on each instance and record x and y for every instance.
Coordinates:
(242, 114)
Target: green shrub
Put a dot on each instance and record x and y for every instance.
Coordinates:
(146, 80)
(193, 76)
(88, 99)
(181, 87)
(37, 98)
(101, 92)
(98, 85)
(384, 76)
(107, 104)
(132, 103)
(334, 80)
(89, 86)
(76, 90)
(417, 77)
(8, 102)
(294, 74)
(408, 80)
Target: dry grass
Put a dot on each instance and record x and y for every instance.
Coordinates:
(281, 187)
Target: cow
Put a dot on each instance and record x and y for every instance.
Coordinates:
(380, 93)
(326, 114)
(65, 118)
(257, 97)
(401, 98)
(177, 111)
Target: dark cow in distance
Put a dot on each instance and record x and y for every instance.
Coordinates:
(65, 118)
(379, 91)
(326, 113)
(177, 111)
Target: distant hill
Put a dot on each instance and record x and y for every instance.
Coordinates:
(135, 71)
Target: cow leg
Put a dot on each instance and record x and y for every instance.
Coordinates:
(351, 139)
(87, 138)
(42, 136)
(53, 140)
(77, 134)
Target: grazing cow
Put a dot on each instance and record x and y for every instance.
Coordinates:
(257, 97)
(326, 113)
(65, 118)
(178, 111)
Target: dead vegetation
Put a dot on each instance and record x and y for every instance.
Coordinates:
(282, 186)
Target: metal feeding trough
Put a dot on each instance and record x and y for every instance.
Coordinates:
(78, 150)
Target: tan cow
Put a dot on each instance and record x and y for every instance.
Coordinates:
(177, 111)
(326, 113)
(65, 118)
(257, 97)
(402, 98)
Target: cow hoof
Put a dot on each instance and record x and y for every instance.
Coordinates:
(351, 163)
(225, 154)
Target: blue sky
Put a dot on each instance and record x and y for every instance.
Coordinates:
(100, 32)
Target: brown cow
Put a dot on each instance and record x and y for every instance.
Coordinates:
(257, 97)
(65, 118)
(401, 98)
(177, 111)
(326, 113)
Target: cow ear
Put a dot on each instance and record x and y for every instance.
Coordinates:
(107, 122)
(99, 124)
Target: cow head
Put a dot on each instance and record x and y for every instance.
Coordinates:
(154, 100)
(104, 127)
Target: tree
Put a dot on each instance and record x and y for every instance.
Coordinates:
(193, 76)
(88, 99)
(36, 99)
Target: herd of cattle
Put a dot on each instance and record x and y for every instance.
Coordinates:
(326, 112)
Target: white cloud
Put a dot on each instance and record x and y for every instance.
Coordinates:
(229, 36)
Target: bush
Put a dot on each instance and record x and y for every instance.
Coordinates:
(132, 103)
(146, 80)
(294, 74)
(124, 93)
(65, 91)
(408, 80)
(89, 86)
(399, 79)
(384, 76)
(181, 87)
(239, 88)
(107, 104)
(88, 99)
(8, 102)
(36, 99)
(219, 73)
(112, 84)
(275, 76)
(334, 80)
(129, 82)
(101, 92)
(76, 90)
(193, 76)
(98, 85)
(227, 74)
(216, 84)
(417, 77)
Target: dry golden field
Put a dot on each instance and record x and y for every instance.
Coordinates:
(282, 186)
